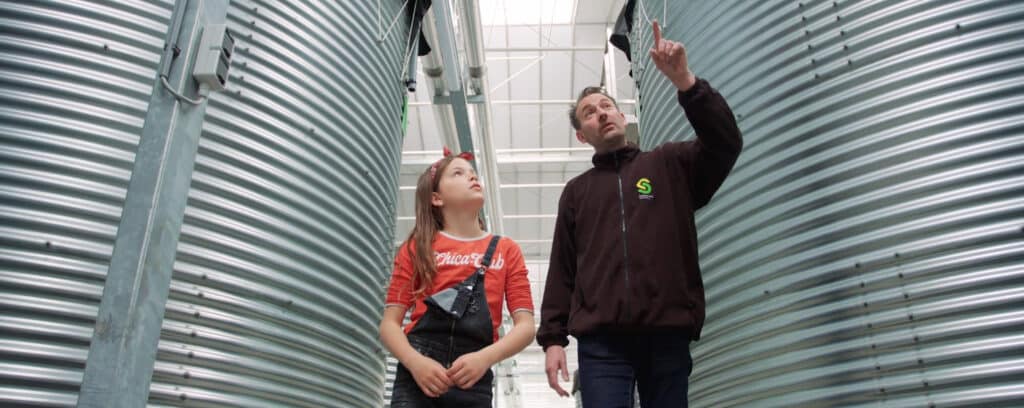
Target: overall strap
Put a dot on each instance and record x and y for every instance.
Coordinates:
(486, 262)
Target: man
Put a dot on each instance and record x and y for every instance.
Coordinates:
(624, 278)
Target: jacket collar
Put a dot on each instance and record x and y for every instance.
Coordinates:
(614, 159)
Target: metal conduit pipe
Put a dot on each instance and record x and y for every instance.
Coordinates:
(508, 387)
(477, 63)
(433, 67)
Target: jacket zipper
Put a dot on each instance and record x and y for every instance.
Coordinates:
(625, 246)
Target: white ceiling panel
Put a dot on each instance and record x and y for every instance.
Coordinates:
(501, 127)
(523, 37)
(498, 72)
(556, 130)
(512, 12)
(524, 76)
(587, 70)
(525, 124)
(556, 75)
(557, 35)
(495, 36)
(591, 35)
(598, 11)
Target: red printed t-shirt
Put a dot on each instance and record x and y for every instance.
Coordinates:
(457, 259)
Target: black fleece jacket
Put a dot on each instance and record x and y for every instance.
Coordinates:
(624, 256)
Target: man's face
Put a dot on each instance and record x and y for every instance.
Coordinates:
(602, 125)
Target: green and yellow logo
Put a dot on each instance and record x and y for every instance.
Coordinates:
(644, 187)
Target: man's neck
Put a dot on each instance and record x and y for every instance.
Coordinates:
(610, 149)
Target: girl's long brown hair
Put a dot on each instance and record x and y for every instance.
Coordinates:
(429, 221)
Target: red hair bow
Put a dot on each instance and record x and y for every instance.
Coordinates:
(448, 153)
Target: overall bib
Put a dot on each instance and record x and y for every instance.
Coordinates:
(457, 321)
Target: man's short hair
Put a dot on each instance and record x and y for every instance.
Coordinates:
(590, 90)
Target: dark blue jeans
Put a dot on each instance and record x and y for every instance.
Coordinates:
(658, 364)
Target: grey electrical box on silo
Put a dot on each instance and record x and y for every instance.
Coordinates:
(214, 59)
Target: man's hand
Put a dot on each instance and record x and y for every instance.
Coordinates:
(554, 361)
(468, 369)
(670, 58)
(430, 376)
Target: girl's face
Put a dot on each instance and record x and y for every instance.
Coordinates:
(459, 186)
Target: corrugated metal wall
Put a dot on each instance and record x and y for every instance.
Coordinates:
(75, 83)
(287, 238)
(276, 296)
(392, 365)
(868, 248)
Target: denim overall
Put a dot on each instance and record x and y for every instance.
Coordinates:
(457, 321)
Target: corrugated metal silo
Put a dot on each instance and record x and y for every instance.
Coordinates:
(867, 248)
(75, 83)
(287, 238)
(288, 233)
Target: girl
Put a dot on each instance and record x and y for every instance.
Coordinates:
(455, 277)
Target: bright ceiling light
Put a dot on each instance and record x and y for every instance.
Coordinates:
(526, 12)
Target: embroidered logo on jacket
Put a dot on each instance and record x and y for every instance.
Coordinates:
(644, 187)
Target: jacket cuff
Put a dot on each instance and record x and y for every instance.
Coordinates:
(698, 89)
(549, 341)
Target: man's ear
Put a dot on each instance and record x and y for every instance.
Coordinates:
(435, 200)
(579, 136)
